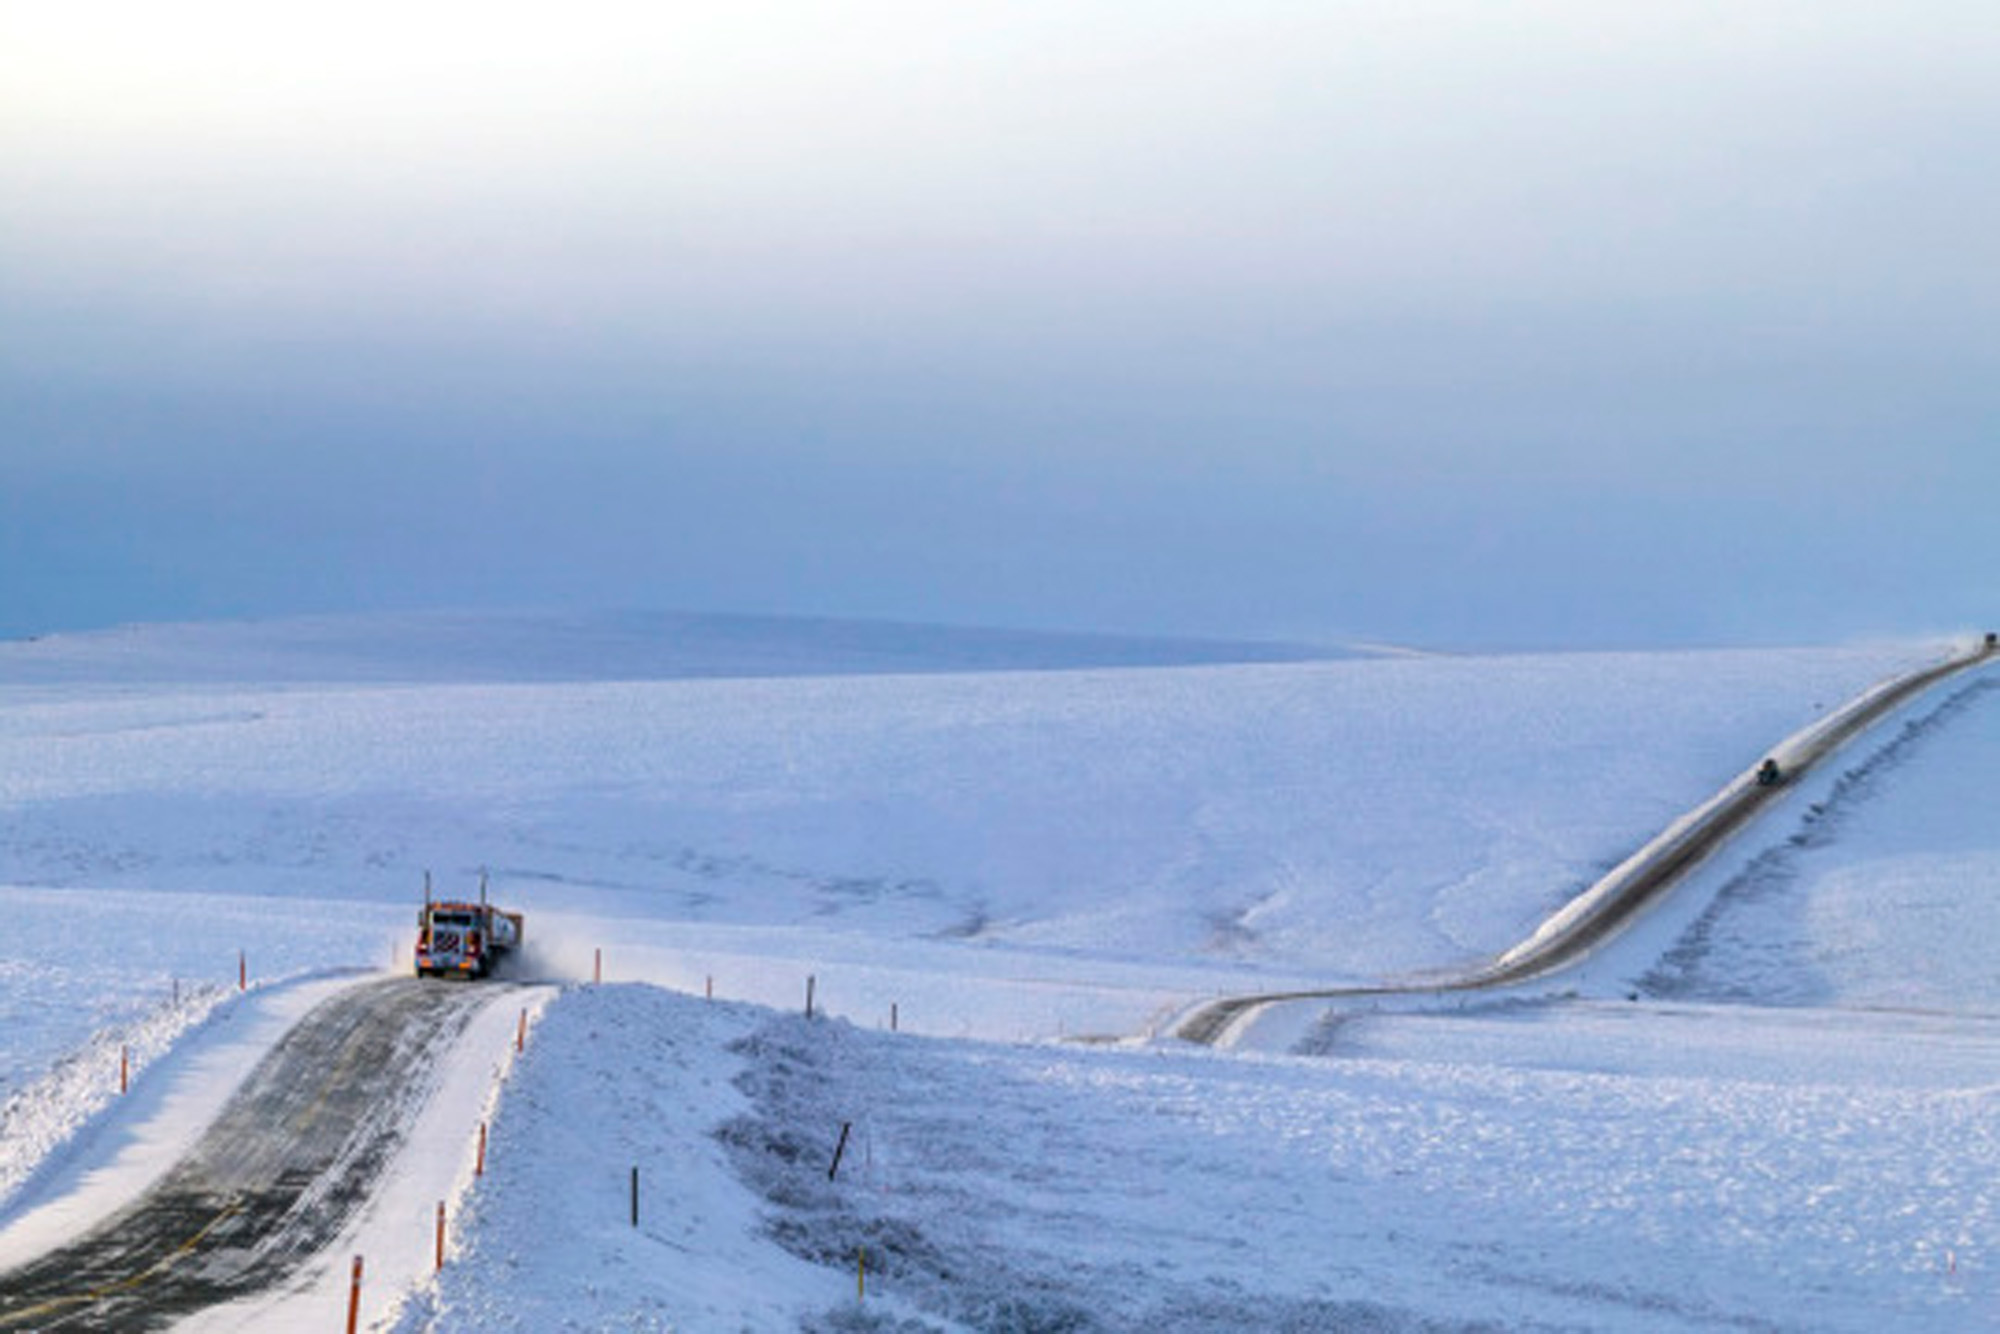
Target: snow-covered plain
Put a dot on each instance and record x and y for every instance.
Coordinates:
(1771, 1106)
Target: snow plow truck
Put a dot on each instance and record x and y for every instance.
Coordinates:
(463, 939)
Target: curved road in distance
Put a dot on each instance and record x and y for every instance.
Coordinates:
(1606, 907)
(271, 1183)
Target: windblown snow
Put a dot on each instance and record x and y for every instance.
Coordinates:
(1769, 1106)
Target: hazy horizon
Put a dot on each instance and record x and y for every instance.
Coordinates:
(1429, 322)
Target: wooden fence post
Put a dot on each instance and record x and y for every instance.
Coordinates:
(839, 1149)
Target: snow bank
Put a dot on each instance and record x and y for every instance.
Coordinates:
(618, 1078)
(89, 970)
(43, 1120)
(1578, 1170)
(76, 1149)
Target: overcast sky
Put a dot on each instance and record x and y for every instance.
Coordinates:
(1459, 322)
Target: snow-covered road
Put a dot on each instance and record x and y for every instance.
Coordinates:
(279, 1174)
(1604, 909)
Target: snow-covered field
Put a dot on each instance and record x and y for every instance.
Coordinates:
(1772, 1106)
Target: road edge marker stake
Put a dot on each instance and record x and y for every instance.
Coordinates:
(479, 1160)
(440, 1235)
(354, 1298)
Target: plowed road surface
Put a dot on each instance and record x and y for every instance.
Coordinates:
(275, 1179)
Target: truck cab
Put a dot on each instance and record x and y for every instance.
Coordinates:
(463, 939)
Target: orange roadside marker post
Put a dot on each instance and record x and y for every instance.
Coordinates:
(354, 1298)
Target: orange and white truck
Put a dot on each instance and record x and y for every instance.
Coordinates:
(463, 939)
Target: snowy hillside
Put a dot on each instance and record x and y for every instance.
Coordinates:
(1885, 894)
(1031, 851)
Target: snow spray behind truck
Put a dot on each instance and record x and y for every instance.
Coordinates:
(463, 939)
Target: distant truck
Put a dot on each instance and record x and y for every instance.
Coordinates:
(464, 939)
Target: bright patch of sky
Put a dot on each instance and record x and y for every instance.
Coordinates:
(1548, 323)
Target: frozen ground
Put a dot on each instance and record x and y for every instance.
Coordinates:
(1877, 897)
(1028, 856)
(1597, 1168)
